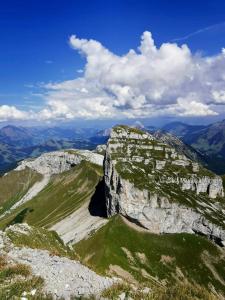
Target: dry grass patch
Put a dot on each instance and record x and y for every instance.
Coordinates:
(17, 278)
(182, 291)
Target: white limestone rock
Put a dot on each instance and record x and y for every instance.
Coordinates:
(212, 186)
(124, 132)
(181, 162)
(156, 211)
(100, 149)
(195, 167)
(60, 161)
(63, 277)
(160, 164)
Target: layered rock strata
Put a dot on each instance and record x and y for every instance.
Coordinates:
(164, 191)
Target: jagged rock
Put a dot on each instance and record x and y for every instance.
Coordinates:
(160, 164)
(60, 161)
(100, 149)
(195, 167)
(205, 184)
(156, 191)
(181, 162)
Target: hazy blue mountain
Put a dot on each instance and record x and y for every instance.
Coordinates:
(29, 136)
(181, 129)
(17, 143)
(208, 140)
(181, 147)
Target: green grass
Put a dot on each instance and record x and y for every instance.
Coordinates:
(38, 238)
(14, 185)
(153, 259)
(64, 194)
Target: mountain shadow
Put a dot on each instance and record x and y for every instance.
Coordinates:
(97, 206)
(20, 217)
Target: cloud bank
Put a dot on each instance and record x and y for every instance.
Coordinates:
(151, 81)
(12, 113)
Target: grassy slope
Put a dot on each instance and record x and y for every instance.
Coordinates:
(14, 185)
(64, 194)
(39, 238)
(162, 258)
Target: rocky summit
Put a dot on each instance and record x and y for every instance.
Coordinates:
(152, 184)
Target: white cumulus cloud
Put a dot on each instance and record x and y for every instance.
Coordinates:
(12, 113)
(149, 81)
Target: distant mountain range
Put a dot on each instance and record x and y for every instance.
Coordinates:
(30, 136)
(17, 143)
(181, 129)
(204, 143)
(181, 147)
(208, 140)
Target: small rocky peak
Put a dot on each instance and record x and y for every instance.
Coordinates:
(123, 131)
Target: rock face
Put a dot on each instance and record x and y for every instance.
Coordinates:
(164, 191)
(60, 161)
(100, 149)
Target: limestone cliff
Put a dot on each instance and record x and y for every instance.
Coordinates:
(60, 161)
(150, 183)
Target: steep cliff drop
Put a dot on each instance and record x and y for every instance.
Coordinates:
(148, 182)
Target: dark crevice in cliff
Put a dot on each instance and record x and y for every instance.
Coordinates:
(211, 237)
(97, 206)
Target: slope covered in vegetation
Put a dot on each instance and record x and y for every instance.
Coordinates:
(64, 194)
(14, 185)
(150, 259)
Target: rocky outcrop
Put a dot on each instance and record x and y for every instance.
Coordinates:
(213, 187)
(63, 277)
(101, 149)
(179, 145)
(145, 183)
(60, 161)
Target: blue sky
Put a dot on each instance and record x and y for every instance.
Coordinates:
(35, 49)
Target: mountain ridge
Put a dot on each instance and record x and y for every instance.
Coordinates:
(146, 187)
